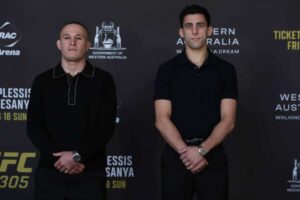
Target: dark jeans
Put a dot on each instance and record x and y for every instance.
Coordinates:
(178, 183)
(49, 186)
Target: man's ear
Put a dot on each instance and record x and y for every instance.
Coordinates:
(88, 45)
(181, 33)
(58, 44)
(210, 30)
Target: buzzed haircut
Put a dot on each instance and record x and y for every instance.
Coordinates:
(78, 23)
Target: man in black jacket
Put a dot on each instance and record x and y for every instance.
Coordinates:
(71, 117)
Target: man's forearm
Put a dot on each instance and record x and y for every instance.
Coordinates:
(170, 133)
(218, 135)
(224, 127)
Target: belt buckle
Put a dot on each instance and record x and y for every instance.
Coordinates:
(194, 141)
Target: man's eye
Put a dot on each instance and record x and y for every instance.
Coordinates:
(201, 25)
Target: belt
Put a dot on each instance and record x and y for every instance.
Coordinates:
(193, 141)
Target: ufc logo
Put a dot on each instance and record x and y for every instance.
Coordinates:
(17, 159)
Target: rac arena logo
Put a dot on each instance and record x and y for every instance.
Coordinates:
(9, 37)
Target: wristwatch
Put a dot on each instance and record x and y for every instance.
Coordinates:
(76, 156)
(202, 151)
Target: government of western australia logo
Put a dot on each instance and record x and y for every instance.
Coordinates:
(107, 43)
(294, 183)
(9, 37)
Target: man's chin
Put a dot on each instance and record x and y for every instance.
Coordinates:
(73, 59)
(196, 48)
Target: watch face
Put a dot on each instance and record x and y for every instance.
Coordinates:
(202, 151)
(76, 157)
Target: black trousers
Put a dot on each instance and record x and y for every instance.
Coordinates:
(49, 186)
(178, 183)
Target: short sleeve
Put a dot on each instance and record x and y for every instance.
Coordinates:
(229, 83)
(162, 88)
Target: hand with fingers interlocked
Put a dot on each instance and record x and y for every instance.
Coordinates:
(66, 163)
(192, 160)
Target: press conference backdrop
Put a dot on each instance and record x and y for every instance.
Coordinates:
(261, 38)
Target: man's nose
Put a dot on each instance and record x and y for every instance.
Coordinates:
(73, 41)
(195, 30)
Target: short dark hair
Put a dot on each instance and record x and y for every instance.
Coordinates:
(194, 9)
(78, 23)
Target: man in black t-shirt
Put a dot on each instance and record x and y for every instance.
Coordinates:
(195, 105)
